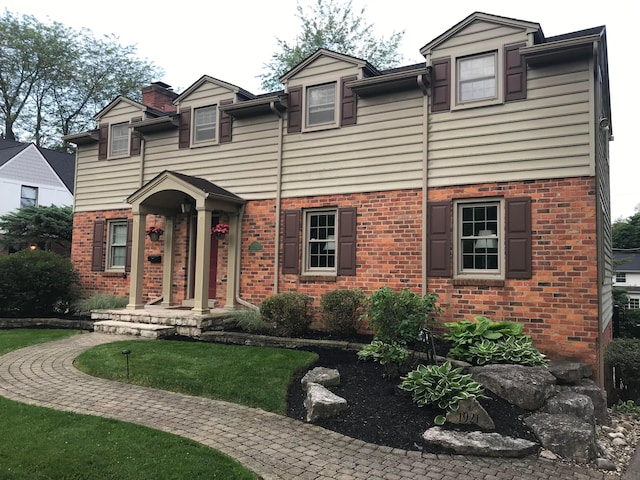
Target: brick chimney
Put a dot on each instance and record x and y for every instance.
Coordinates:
(160, 96)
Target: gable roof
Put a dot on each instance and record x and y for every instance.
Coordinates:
(323, 52)
(207, 79)
(116, 101)
(63, 164)
(627, 260)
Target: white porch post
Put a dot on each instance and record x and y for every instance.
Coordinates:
(167, 262)
(203, 260)
(232, 259)
(137, 261)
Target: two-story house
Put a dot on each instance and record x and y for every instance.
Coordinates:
(480, 174)
(627, 274)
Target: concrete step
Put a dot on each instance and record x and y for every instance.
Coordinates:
(145, 330)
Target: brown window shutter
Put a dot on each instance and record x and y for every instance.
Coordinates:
(134, 149)
(518, 238)
(103, 141)
(515, 71)
(439, 239)
(441, 87)
(184, 130)
(347, 236)
(226, 123)
(291, 246)
(127, 258)
(349, 102)
(294, 118)
(97, 246)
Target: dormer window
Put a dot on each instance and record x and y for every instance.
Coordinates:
(321, 104)
(205, 124)
(477, 78)
(119, 139)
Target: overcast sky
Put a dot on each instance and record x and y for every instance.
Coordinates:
(232, 40)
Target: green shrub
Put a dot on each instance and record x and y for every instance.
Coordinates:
(441, 386)
(628, 408)
(624, 355)
(340, 310)
(37, 282)
(250, 320)
(384, 353)
(514, 350)
(100, 301)
(290, 312)
(397, 317)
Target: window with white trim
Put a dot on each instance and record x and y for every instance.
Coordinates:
(634, 303)
(477, 78)
(479, 239)
(205, 121)
(116, 245)
(119, 144)
(320, 241)
(621, 277)
(28, 196)
(321, 105)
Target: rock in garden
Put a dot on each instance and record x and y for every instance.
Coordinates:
(480, 443)
(605, 464)
(571, 403)
(321, 403)
(526, 387)
(470, 412)
(589, 388)
(567, 372)
(321, 375)
(565, 435)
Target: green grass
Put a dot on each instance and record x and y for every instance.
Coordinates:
(252, 376)
(23, 337)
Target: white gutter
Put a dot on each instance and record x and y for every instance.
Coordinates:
(276, 259)
(425, 188)
(236, 287)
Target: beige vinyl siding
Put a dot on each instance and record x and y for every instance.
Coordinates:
(383, 151)
(323, 70)
(545, 136)
(479, 37)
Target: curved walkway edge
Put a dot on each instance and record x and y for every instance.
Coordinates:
(273, 446)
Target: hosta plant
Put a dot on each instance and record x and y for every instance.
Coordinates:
(390, 355)
(442, 386)
(519, 351)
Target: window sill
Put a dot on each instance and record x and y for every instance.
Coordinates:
(205, 144)
(119, 157)
(114, 273)
(307, 278)
(321, 127)
(478, 282)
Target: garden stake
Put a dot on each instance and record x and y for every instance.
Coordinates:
(126, 353)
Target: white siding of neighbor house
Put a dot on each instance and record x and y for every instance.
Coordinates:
(28, 168)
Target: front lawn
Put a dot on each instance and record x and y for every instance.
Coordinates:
(252, 376)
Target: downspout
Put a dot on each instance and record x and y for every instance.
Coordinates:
(277, 226)
(425, 157)
(142, 152)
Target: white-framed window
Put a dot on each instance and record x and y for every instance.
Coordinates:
(477, 78)
(321, 102)
(205, 120)
(116, 245)
(321, 230)
(634, 303)
(479, 239)
(119, 139)
(621, 277)
(28, 196)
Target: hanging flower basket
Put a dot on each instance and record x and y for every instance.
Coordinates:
(154, 233)
(220, 230)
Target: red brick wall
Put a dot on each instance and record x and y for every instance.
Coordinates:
(559, 305)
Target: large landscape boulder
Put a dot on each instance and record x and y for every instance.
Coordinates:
(321, 375)
(565, 435)
(322, 403)
(591, 389)
(470, 412)
(571, 403)
(525, 387)
(480, 443)
(568, 372)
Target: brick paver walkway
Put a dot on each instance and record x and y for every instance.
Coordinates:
(273, 446)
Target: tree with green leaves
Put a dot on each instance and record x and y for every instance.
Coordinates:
(334, 25)
(46, 227)
(626, 232)
(54, 79)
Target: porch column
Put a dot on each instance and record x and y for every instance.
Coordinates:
(137, 261)
(235, 242)
(167, 262)
(203, 260)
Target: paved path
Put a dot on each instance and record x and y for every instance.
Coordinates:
(273, 446)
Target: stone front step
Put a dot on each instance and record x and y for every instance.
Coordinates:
(145, 330)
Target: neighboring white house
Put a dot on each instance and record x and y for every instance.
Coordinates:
(627, 274)
(31, 175)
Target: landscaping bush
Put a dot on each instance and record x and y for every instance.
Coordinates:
(398, 317)
(250, 320)
(624, 355)
(37, 282)
(340, 310)
(290, 312)
(442, 386)
(391, 356)
(100, 301)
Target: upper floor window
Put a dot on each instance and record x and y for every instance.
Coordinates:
(634, 303)
(117, 244)
(477, 78)
(28, 196)
(321, 104)
(119, 139)
(621, 277)
(479, 239)
(205, 121)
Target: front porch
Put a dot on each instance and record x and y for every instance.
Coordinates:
(158, 321)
